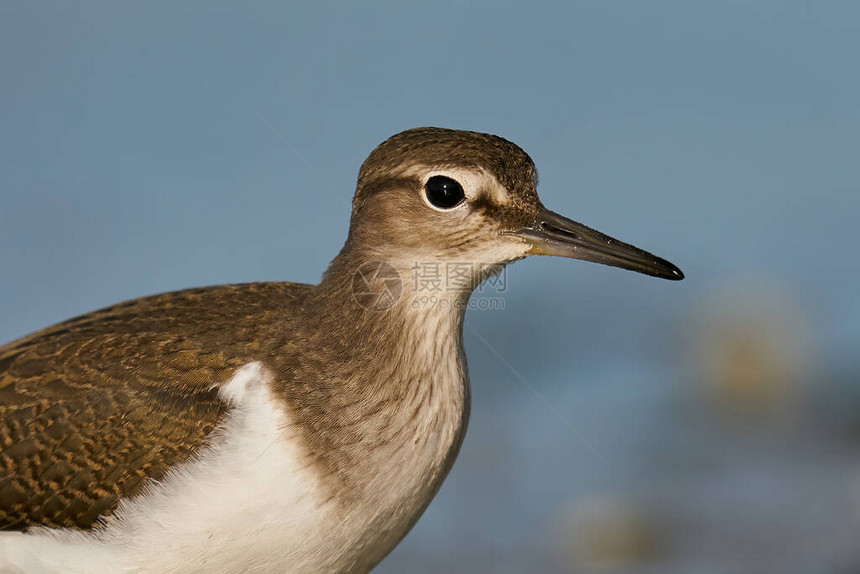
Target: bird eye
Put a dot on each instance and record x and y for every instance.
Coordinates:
(443, 192)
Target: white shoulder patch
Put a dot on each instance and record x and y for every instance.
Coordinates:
(244, 379)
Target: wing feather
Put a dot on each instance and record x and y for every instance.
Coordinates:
(92, 408)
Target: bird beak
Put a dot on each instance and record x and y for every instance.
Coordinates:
(553, 234)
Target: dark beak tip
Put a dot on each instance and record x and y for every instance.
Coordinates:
(673, 272)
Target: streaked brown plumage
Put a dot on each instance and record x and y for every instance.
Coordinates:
(92, 407)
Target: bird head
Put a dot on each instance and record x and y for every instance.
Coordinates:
(441, 195)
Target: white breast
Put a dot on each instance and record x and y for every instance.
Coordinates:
(247, 501)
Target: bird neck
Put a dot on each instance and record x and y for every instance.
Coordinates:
(389, 284)
(392, 408)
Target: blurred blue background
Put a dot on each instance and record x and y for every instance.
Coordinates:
(634, 425)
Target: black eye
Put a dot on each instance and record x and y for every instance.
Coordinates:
(443, 192)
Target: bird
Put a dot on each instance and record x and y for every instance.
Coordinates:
(276, 426)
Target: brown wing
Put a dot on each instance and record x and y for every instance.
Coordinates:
(93, 407)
